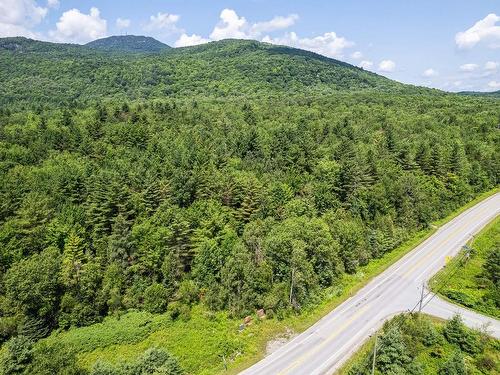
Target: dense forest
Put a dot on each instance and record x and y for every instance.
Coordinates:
(110, 203)
(39, 74)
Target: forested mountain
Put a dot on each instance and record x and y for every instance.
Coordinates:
(41, 73)
(237, 175)
(128, 43)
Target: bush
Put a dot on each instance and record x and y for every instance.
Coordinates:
(188, 292)
(179, 310)
(156, 298)
(54, 359)
(17, 355)
(8, 326)
(154, 361)
(487, 363)
(459, 297)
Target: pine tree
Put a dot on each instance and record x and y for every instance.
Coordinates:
(73, 259)
(392, 356)
(120, 245)
(458, 159)
(250, 203)
(155, 193)
(423, 158)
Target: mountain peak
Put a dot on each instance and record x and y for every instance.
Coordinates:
(128, 43)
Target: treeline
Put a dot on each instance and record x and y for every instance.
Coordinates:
(163, 204)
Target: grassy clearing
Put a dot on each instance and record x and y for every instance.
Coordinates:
(201, 342)
(468, 287)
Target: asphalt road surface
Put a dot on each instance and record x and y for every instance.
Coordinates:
(325, 346)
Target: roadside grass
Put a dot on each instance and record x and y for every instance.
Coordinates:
(468, 287)
(202, 343)
(432, 357)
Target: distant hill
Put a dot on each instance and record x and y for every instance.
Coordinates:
(128, 43)
(26, 45)
(49, 73)
(494, 94)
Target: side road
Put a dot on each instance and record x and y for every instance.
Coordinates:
(444, 309)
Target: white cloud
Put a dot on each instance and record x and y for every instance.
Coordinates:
(75, 26)
(17, 17)
(328, 44)
(230, 26)
(233, 26)
(430, 73)
(122, 23)
(357, 55)
(277, 23)
(494, 85)
(190, 40)
(468, 67)
(366, 64)
(387, 66)
(164, 22)
(52, 3)
(483, 30)
(491, 65)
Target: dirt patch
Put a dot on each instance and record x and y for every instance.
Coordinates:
(279, 341)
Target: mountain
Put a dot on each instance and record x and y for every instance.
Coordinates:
(41, 72)
(128, 43)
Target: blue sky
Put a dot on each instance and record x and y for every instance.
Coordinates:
(449, 44)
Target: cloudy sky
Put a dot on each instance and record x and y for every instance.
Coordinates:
(448, 44)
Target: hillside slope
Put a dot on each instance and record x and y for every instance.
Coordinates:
(48, 73)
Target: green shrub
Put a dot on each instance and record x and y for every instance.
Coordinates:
(180, 311)
(16, 356)
(153, 361)
(188, 292)
(156, 298)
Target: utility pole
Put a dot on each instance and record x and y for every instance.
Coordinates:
(374, 353)
(421, 299)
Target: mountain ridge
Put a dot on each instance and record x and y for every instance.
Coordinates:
(58, 74)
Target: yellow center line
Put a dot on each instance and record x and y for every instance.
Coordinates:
(309, 353)
(438, 246)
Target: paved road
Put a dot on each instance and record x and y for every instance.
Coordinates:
(325, 346)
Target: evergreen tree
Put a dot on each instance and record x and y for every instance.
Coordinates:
(73, 259)
(455, 365)
(120, 244)
(392, 356)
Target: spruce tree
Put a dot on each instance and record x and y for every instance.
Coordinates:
(120, 245)
(455, 365)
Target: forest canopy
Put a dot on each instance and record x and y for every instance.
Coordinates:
(124, 190)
